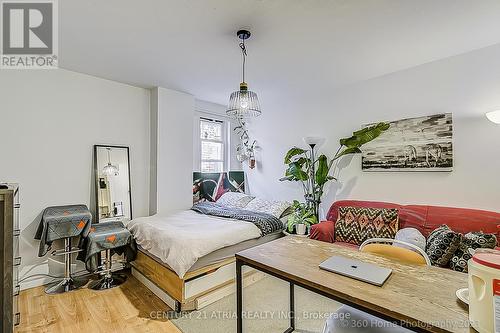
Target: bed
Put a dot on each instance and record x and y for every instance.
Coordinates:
(187, 257)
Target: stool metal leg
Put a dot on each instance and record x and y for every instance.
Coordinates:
(68, 282)
(109, 280)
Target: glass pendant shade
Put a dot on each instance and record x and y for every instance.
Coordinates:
(110, 170)
(243, 103)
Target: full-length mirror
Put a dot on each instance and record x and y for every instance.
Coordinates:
(112, 172)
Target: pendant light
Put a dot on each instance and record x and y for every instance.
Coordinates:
(110, 169)
(243, 103)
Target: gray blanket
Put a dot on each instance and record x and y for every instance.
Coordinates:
(61, 222)
(265, 222)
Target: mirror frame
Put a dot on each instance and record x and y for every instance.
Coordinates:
(96, 179)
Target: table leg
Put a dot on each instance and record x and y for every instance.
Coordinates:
(239, 298)
(292, 306)
(292, 309)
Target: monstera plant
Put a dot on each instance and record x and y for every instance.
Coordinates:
(314, 173)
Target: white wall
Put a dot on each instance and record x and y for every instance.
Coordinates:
(467, 85)
(172, 150)
(217, 111)
(49, 121)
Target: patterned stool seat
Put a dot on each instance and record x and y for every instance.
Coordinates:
(111, 237)
(59, 222)
(63, 222)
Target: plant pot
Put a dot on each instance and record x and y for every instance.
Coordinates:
(301, 229)
(251, 162)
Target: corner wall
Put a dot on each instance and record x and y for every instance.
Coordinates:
(171, 180)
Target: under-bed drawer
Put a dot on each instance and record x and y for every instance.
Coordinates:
(207, 282)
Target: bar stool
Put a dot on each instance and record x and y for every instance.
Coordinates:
(109, 279)
(109, 237)
(68, 282)
(63, 222)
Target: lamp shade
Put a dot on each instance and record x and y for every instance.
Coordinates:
(243, 104)
(315, 141)
(494, 116)
(110, 170)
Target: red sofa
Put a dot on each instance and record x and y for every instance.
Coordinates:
(424, 218)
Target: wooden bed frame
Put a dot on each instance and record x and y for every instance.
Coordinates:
(197, 288)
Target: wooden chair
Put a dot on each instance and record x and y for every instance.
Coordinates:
(359, 321)
(410, 253)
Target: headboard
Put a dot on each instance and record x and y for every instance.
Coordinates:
(210, 186)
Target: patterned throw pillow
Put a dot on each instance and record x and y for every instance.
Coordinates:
(276, 208)
(441, 245)
(471, 242)
(357, 224)
(235, 199)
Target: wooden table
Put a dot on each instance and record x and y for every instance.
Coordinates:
(421, 298)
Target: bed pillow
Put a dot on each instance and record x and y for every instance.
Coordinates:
(235, 199)
(441, 245)
(357, 224)
(470, 242)
(275, 208)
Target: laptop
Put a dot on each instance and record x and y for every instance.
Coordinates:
(357, 269)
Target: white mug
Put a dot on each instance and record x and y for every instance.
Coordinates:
(301, 229)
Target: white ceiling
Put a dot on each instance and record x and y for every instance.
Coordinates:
(297, 46)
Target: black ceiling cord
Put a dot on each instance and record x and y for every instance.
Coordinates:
(244, 53)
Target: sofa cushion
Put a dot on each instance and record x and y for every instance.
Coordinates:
(413, 216)
(461, 220)
(323, 231)
(412, 236)
(357, 224)
(470, 242)
(441, 245)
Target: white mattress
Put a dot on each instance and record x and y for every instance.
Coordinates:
(224, 253)
(181, 238)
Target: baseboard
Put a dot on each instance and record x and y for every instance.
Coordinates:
(35, 283)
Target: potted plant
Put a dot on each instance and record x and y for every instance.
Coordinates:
(301, 219)
(245, 151)
(314, 173)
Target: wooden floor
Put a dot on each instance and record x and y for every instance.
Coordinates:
(126, 308)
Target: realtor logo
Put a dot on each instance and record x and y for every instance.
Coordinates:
(29, 34)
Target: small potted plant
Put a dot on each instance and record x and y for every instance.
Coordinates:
(244, 150)
(302, 218)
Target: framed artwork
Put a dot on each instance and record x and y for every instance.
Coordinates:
(414, 144)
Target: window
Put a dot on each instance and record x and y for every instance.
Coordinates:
(213, 138)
